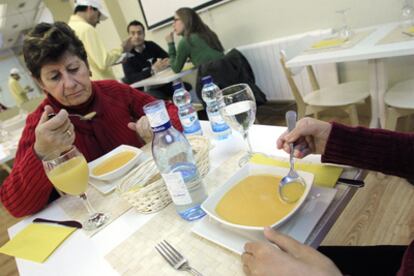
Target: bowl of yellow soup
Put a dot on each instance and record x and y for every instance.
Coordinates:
(249, 200)
(116, 163)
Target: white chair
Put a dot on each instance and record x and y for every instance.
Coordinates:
(399, 101)
(344, 96)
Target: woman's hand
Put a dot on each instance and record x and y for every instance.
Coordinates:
(142, 128)
(54, 134)
(170, 37)
(293, 258)
(309, 135)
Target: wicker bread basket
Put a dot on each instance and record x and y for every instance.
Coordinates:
(144, 188)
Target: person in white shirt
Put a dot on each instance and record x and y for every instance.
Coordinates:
(87, 14)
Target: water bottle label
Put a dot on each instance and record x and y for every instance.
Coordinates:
(158, 118)
(177, 188)
(217, 122)
(190, 123)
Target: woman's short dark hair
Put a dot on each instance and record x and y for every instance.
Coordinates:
(193, 24)
(47, 43)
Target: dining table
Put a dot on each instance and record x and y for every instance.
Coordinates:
(83, 255)
(164, 76)
(11, 131)
(375, 47)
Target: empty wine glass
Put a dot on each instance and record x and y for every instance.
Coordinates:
(69, 173)
(407, 14)
(344, 32)
(238, 108)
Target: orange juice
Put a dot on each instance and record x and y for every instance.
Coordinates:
(114, 162)
(71, 177)
(254, 201)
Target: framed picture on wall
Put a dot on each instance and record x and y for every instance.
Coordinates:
(158, 13)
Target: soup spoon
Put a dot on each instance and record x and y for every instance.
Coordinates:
(292, 186)
(86, 117)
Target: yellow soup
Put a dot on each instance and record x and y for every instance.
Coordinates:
(114, 162)
(293, 191)
(71, 177)
(254, 201)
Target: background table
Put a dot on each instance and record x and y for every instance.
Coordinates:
(80, 255)
(162, 77)
(367, 49)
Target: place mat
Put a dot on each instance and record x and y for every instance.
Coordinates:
(325, 175)
(335, 43)
(36, 242)
(397, 35)
(137, 253)
(110, 204)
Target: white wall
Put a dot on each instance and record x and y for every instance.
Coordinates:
(241, 22)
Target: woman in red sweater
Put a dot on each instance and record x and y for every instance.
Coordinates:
(58, 63)
(373, 149)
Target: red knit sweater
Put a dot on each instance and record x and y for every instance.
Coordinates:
(375, 149)
(27, 190)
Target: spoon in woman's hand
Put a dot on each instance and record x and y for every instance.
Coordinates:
(292, 186)
(85, 117)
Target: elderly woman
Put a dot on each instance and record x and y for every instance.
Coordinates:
(57, 61)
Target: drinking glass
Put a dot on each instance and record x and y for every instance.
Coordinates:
(407, 14)
(238, 109)
(69, 173)
(344, 31)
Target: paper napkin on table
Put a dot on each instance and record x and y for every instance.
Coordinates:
(328, 43)
(325, 175)
(36, 242)
(410, 30)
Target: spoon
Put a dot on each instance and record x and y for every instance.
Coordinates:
(85, 117)
(69, 223)
(292, 186)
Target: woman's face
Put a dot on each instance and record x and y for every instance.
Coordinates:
(67, 80)
(178, 25)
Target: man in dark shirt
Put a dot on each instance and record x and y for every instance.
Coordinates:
(144, 58)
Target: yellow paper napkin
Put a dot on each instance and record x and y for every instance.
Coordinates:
(325, 175)
(410, 30)
(328, 43)
(36, 242)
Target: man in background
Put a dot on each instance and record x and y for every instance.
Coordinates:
(87, 15)
(18, 92)
(145, 56)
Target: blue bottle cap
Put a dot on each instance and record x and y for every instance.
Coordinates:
(177, 85)
(207, 79)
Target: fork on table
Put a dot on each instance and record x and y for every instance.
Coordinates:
(174, 258)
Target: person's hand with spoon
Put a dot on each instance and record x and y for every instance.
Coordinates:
(309, 136)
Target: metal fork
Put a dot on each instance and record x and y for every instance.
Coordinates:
(174, 258)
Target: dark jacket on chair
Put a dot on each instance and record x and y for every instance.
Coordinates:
(232, 69)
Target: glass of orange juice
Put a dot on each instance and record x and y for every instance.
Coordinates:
(69, 173)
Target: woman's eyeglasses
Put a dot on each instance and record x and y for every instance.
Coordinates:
(176, 19)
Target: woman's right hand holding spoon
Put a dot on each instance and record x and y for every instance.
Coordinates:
(53, 134)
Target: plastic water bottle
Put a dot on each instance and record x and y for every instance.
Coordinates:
(174, 158)
(210, 93)
(186, 112)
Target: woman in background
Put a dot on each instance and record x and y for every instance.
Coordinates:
(199, 42)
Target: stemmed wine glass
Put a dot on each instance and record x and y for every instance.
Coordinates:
(407, 14)
(344, 31)
(69, 173)
(238, 109)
